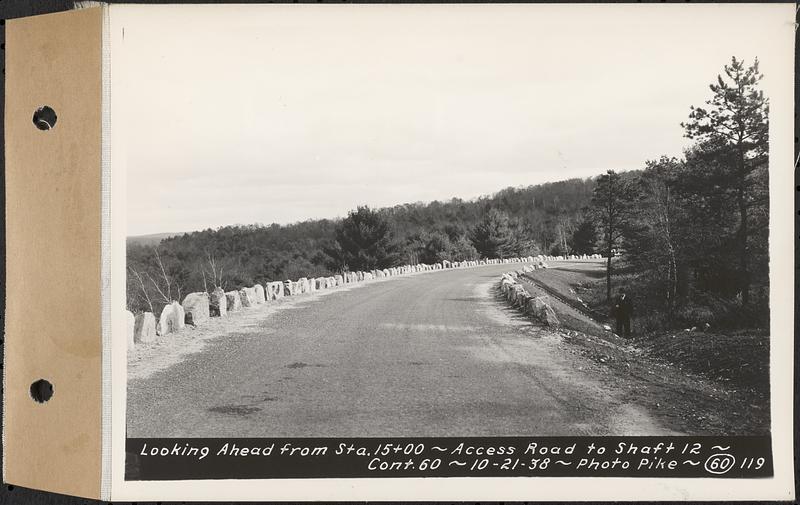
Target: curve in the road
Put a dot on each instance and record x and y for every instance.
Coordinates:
(426, 355)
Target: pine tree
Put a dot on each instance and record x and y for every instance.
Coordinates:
(492, 236)
(612, 207)
(584, 239)
(737, 117)
(365, 241)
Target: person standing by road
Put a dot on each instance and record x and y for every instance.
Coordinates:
(623, 309)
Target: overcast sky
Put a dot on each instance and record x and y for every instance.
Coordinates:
(261, 114)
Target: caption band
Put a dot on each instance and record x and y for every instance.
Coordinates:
(257, 458)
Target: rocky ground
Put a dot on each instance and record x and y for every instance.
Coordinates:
(696, 382)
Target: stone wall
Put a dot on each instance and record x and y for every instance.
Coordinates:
(198, 308)
(536, 307)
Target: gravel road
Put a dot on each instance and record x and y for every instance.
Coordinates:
(433, 354)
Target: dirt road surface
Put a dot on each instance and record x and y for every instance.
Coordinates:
(433, 354)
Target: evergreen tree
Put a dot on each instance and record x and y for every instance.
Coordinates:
(462, 249)
(612, 200)
(435, 248)
(737, 117)
(365, 241)
(492, 236)
(584, 239)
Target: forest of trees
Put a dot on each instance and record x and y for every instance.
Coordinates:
(513, 222)
(686, 232)
(694, 232)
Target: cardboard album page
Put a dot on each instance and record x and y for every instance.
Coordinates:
(53, 342)
(401, 252)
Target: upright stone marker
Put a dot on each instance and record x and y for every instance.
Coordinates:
(542, 310)
(166, 321)
(234, 301)
(171, 319)
(302, 285)
(276, 289)
(179, 315)
(197, 308)
(248, 296)
(218, 303)
(144, 329)
(261, 296)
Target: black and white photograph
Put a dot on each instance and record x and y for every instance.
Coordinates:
(420, 221)
(399, 252)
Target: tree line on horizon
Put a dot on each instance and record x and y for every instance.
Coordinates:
(513, 222)
(683, 231)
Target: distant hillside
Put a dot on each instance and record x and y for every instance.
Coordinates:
(541, 218)
(149, 240)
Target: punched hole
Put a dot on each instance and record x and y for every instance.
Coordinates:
(41, 391)
(45, 118)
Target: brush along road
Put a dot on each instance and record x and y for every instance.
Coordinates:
(434, 354)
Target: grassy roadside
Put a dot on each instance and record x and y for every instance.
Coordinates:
(697, 382)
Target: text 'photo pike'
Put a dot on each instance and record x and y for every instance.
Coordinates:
(400, 252)
(427, 242)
